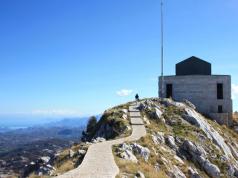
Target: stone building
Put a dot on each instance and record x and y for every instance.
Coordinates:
(211, 94)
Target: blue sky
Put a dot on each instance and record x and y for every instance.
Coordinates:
(79, 57)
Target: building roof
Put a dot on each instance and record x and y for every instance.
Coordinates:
(193, 66)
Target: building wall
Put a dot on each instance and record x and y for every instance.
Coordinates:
(201, 90)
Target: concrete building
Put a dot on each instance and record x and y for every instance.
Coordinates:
(211, 94)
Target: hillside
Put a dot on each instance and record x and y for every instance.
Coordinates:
(179, 143)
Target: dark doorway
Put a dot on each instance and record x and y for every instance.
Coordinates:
(220, 109)
(219, 91)
(169, 91)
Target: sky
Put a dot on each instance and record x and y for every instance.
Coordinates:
(79, 57)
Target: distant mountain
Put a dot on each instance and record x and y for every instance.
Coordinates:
(70, 122)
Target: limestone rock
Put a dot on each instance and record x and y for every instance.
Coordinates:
(158, 112)
(198, 155)
(211, 169)
(191, 105)
(128, 155)
(82, 152)
(176, 173)
(158, 138)
(193, 173)
(71, 153)
(142, 151)
(45, 159)
(171, 142)
(99, 139)
(146, 120)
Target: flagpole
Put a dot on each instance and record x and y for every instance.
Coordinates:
(162, 49)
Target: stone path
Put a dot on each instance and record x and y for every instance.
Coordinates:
(99, 161)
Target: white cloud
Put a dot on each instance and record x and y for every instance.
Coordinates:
(234, 91)
(124, 92)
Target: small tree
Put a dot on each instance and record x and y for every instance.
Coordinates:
(91, 124)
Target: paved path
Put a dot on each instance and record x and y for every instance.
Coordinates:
(99, 161)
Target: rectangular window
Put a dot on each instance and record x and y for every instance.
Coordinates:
(220, 109)
(219, 91)
(169, 91)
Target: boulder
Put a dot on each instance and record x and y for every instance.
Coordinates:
(128, 155)
(193, 173)
(45, 159)
(142, 151)
(98, 139)
(198, 155)
(158, 112)
(125, 146)
(82, 152)
(211, 169)
(176, 173)
(170, 141)
(158, 138)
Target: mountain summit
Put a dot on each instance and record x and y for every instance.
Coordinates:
(152, 138)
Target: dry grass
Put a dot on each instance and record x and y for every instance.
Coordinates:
(132, 168)
(66, 166)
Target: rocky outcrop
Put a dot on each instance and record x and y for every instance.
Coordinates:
(176, 173)
(128, 152)
(142, 151)
(198, 155)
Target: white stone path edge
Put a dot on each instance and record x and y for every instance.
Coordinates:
(99, 160)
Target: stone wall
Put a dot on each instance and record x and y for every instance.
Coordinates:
(201, 91)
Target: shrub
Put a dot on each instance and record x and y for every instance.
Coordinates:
(91, 124)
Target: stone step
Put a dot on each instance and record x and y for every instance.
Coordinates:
(134, 114)
(136, 121)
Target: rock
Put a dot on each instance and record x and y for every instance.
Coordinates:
(191, 105)
(71, 153)
(146, 120)
(211, 169)
(124, 116)
(128, 155)
(125, 111)
(99, 139)
(198, 120)
(158, 138)
(142, 151)
(198, 155)
(128, 128)
(45, 159)
(124, 147)
(177, 173)
(171, 142)
(82, 152)
(179, 160)
(139, 174)
(32, 163)
(193, 173)
(157, 167)
(158, 112)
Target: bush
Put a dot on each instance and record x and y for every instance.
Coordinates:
(91, 124)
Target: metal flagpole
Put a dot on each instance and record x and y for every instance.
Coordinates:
(162, 50)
